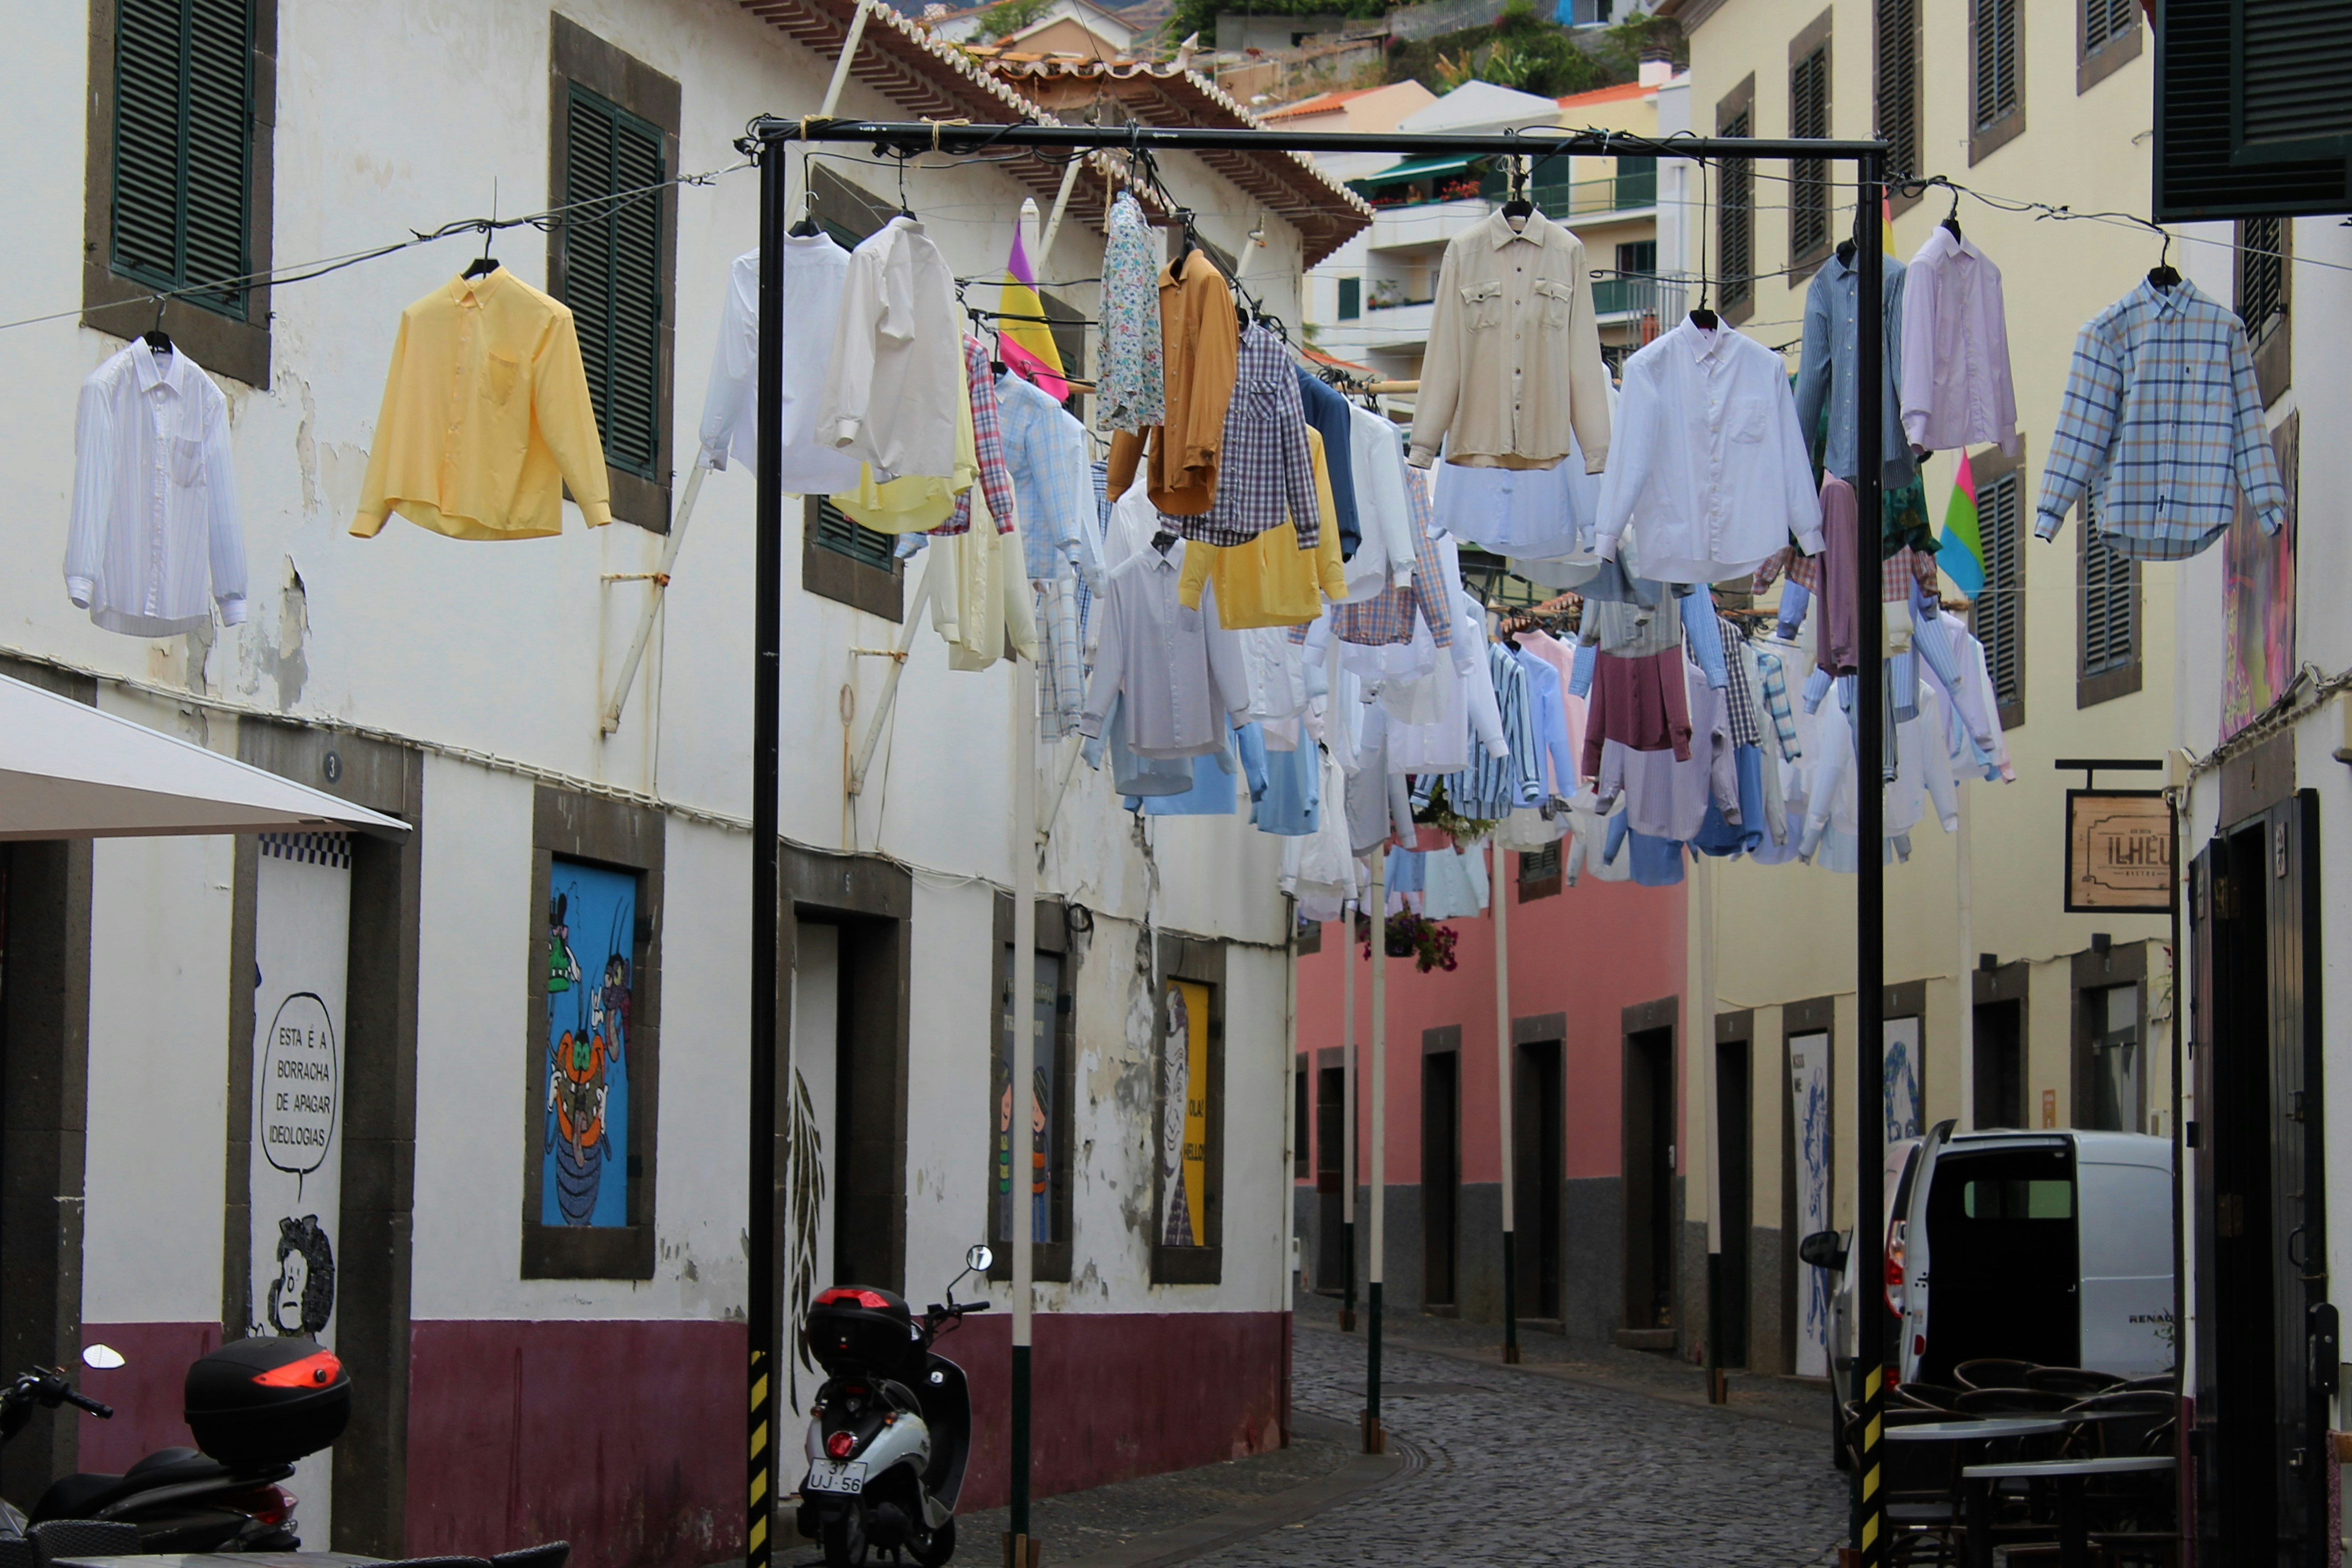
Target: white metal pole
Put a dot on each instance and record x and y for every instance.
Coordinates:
(1503, 1050)
(1963, 868)
(1025, 1059)
(1290, 1081)
(1372, 1443)
(841, 65)
(1702, 1045)
(1349, 911)
(653, 604)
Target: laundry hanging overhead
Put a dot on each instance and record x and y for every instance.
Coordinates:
(1514, 363)
(1955, 389)
(1130, 390)
(895, 377)
(1828, 371)
(154, 542)
(816, 269)
(1200, 343)
(1264, 476)
(485, 418)
(2161, 426)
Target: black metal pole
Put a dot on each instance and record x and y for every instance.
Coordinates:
(767, 690)
(1869, 901)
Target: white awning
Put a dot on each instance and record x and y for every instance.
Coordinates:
(69, 771)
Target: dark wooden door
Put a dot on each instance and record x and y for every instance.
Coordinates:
(1441, 1173)
(1330, 1133)
(1649, 1179)
(1731, 1122)
(1539, 1177)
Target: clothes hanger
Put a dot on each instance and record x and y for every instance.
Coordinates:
(808, 227)
(903, 210)
(2162, 276)
(1952, 219)
(1847, 246)
(1519, 208)
(1701, 317)
(156, 340)
(485, 264)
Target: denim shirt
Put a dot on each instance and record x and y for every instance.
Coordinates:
(1826, 374)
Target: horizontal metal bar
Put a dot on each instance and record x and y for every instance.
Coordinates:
(922, 136)
(2108, 764)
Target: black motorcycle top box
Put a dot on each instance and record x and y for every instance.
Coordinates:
(268, 1400)
(857, 1328)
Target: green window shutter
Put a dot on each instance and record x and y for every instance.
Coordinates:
(1351, 298)
(1999, 617)
(1809, 187)
(2104, 21)
(183, 206)
(836, 532)
(2110, 600)
(612, 272)
(1898, 81)
(2251, 115)
(1996, 61)
(1736, 219)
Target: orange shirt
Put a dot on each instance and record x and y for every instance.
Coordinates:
(1200, 341)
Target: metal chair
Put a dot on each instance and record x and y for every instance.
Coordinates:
(550, 1554)
(2012, 1402)
(2162, 1382)
(1922, 1482)
(58, 1538)
(2074, 1380)
(1991, 1371)
(2122, 1423)
(1928, 1396)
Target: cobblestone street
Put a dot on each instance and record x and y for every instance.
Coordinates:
(1517, 1468)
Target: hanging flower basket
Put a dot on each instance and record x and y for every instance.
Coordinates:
(1408, 935)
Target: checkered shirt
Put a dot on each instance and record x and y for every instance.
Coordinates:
(2161, 425)
(1738, 701)
(1265, 474)
(988, 440)
(1387, 615)
(1776, 703)
(1805, 571)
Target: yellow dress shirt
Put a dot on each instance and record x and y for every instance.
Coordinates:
(1270, 582)
(485, 417)
(918, 503)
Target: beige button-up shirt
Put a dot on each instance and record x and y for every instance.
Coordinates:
(1514, 360)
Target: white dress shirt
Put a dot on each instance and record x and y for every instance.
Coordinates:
(154, 535)
(814, 271)
(1180, 672)
(896, 371)
(1383, 558)
(1955, 372)
(1709, 466)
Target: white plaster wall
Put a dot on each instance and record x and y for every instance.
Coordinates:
(159, 993)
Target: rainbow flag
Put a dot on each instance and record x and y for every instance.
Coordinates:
(1027, 347)
(1962, 555)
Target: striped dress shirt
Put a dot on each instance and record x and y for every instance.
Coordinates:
(2161, 424)
(1493, 786)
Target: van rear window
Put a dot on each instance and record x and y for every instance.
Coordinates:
(2017, 1199)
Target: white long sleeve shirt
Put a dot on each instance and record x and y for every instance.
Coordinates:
(815, 269)
(1180, 672)
(154, 539)
(1709, 468)
(1384, 556)
(1955, 372)
(897, 370)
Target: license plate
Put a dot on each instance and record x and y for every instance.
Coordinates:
(848, 1477)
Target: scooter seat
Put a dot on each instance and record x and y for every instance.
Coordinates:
(74, 1497)
(81, 1496)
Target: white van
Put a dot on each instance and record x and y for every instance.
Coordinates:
(2053, 1247)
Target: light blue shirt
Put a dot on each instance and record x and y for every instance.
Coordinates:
(1826, 374)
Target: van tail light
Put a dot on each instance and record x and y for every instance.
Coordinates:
(1894, 1282)
(1918, 1344)
(840, 1445)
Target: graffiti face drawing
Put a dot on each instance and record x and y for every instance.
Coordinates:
(302, 1298)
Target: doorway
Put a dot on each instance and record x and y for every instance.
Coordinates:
(1539, 1177)
(1731, 1154)
(1330, 1123)
(2258, 1216)
(1649, 1146)
(2001, 1063)
(1441, 1173)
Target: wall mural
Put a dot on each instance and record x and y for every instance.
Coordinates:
(1905, 1112)
(1045, 1040)
(592, 916)
(1809, 1095)
(1184, 1116)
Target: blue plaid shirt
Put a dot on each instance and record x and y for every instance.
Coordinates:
(1045, 451)
(2162, 424)
(1264, 476)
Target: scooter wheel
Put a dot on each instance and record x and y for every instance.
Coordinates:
(844, 1540)
(935, 1548)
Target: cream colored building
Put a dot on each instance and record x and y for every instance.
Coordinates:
(1979, 941)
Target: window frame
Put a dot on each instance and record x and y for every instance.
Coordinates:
(2093, 64)
(1347, 307)
(2120, 680)
(121, 307)
(1986, 139)
(1048, 1260)
(1735, 106)
(617, 836)
(1989, 467)
(578, 58)
(1811, 177)
(1203, 963)
(2273, 352)
(2092, 975)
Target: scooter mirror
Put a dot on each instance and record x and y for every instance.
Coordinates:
(979, 1258)
(105, 1358)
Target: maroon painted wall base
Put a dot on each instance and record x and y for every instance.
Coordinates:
(146, 1392)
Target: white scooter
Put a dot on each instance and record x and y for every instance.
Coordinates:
(891, 1428)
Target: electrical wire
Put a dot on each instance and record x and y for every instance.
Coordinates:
(304, 271)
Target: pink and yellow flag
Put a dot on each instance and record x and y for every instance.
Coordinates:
(1027, 346)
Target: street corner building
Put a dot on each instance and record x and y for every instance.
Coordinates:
(469, 1107)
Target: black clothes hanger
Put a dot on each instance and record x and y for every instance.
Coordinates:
(156, 340)
(2162, 275)
(1703, 317)
(1519, 208)
(1952, 219)
(1163, 540)
(1848, 246)
(485, 264)
(808, 227)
